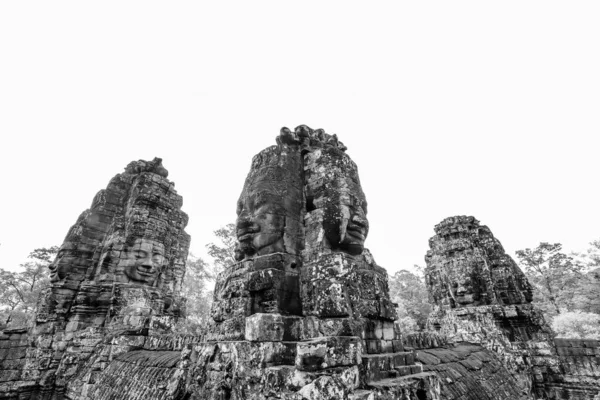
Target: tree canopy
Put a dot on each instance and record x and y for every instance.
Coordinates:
(554, 274)
(408, 290)
(20, 290)
(223, 254)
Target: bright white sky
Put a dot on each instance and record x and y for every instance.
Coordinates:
(482, 108)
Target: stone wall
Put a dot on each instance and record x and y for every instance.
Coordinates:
(579, 376)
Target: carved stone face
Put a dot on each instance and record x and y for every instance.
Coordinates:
(345, 207)
(74, 257)
(261, 222)
(464, 292)
(143, 261)
(269, 209)
(345, 222)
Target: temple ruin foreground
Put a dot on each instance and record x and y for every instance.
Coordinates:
(304, 312)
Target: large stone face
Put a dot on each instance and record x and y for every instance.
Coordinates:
(118, 272)
(270, 208)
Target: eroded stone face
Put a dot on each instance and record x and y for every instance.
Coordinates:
(270, 207)
(464, 291)
(345, 206)
(70, 257)
(143, 261)
(335, 201)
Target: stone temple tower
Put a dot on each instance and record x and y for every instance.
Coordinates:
(305, 311)
(116, 279)
(480, 295)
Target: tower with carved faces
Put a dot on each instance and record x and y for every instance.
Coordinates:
(304, 293)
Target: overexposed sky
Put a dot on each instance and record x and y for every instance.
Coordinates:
(489, 109)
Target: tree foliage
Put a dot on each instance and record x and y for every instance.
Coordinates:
(577, 325)
(408, 290)
(586, 296)
(223, 254)
(554, 274)
(19, 290)
(591, 258)
(200, 273)
(198, 296)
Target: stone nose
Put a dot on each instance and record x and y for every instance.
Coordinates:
(243, 219)
(360, 219)
(461, 290)
(147, 262)
(245, 224)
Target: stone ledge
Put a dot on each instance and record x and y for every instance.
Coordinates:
(327, 352)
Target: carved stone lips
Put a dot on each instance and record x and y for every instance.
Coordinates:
(355, 232)
(245, 232)
(145, 271)
(245, 237)
(356, 229)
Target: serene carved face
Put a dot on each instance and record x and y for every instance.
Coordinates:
(345, 222)
(463, 290)
(143, 261)
(261, 222)
(74, 257)
(270, 207)
(345, 218)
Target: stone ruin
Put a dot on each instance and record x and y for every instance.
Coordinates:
(117, 276)
(303, 313)
(481, 296)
